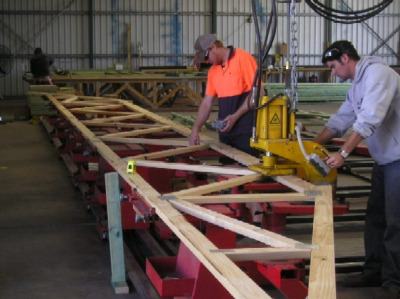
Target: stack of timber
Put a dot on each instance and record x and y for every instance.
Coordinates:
(107, 124)
(38, 104)
(313, 92)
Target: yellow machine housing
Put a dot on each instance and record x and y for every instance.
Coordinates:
(275, 136)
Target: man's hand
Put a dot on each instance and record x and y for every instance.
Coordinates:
(194, 139)
(335, 160)
(229, 121)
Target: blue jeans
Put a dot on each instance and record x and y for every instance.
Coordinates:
(382, 225)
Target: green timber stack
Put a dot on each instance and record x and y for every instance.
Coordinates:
(38, 103)
(313, 92)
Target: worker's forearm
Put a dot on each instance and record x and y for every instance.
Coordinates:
(244, 108)
(352, 142)
(248, 103)
(324, 136)
(202, 115)
(349, 145)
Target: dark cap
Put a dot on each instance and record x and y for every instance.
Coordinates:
(202, 44)
(337, 49)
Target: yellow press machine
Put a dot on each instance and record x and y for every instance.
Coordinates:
(278, 136)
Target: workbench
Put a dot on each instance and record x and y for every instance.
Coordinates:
(149, 89)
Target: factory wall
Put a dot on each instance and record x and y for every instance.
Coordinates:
(84, 34)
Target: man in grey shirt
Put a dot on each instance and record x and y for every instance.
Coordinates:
(372, 110)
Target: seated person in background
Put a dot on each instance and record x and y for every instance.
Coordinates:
(40, 67)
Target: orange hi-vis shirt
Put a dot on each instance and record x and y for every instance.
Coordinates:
(232, 85)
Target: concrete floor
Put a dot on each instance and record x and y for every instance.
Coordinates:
(49, 245)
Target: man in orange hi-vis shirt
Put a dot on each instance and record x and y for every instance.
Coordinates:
(230, 80)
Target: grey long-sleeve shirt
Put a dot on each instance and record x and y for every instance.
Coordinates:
(372, 108)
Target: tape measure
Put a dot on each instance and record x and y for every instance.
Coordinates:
(131, 167)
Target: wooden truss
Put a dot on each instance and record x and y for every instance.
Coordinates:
(88, 114)
(153, 90)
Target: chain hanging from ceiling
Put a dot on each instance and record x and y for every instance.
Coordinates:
(294, 96)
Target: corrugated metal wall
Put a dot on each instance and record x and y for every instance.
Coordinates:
(83, 34)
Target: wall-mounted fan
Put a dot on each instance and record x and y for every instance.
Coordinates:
(6, 61)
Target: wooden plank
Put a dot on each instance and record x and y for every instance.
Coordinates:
(57, 143)
(134, 133)
(70, 100)
(101, 112)
(194, 167)
(143, 286)
(218, 186)
(265, 254)
(117, 118)
(167, 142)
(146, 238)
(49, 127)
(97, 104)
(235, 154)
(158, 119)
(98, 107)
(246, 198)
(72, 167)
(240, 227)
(322, 281)
(171, 152)
(94, 98)
(169, 95)
(136, 94)
(118, 125)
(298, 184)
(84, 189)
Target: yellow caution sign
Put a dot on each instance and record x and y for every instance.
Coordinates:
(131, 167)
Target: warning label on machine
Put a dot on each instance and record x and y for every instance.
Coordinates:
(275, 120)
